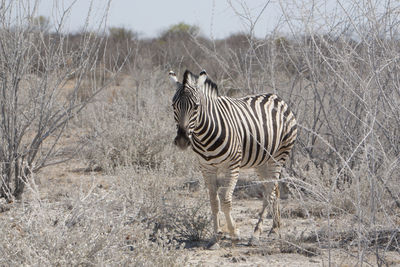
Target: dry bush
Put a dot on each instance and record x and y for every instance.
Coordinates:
(38, 97)
(122, 133)
(95, 227)
(134, 127)
(133, 217)
(346, 116)
(157, 194)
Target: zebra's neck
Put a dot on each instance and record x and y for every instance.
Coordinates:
(208, 124)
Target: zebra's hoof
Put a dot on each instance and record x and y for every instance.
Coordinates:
(235, 236)
(235, 240)
(254, 241)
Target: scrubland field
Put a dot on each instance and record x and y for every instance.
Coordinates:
(89, 174)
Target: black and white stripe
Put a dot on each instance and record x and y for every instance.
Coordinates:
(231, 133)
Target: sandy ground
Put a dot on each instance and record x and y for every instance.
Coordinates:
(273, 251)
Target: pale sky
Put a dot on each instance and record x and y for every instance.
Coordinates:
(216, 18)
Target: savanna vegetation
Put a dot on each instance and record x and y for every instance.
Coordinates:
(89, 174)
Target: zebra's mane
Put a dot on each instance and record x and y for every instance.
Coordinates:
(208, 87)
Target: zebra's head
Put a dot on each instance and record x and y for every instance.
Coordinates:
(185, 103)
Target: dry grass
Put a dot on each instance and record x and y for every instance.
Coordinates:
(131, 217)
(144, 217)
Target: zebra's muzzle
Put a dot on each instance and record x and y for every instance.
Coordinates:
(182, 140)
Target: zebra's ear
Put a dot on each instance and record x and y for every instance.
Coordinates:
(173, 79)
(189, 79)
(202, 78)
(208, 87)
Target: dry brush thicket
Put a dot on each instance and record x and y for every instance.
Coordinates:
(341, 80)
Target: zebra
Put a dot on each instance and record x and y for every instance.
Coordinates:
(228, 134)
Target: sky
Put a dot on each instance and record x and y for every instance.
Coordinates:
(216, 18)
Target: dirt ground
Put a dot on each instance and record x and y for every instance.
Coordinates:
(287, 251)
(296, 247)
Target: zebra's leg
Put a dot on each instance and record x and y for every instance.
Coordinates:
(276, 212)
(226, 191)
(210, 178)
(270, 200)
